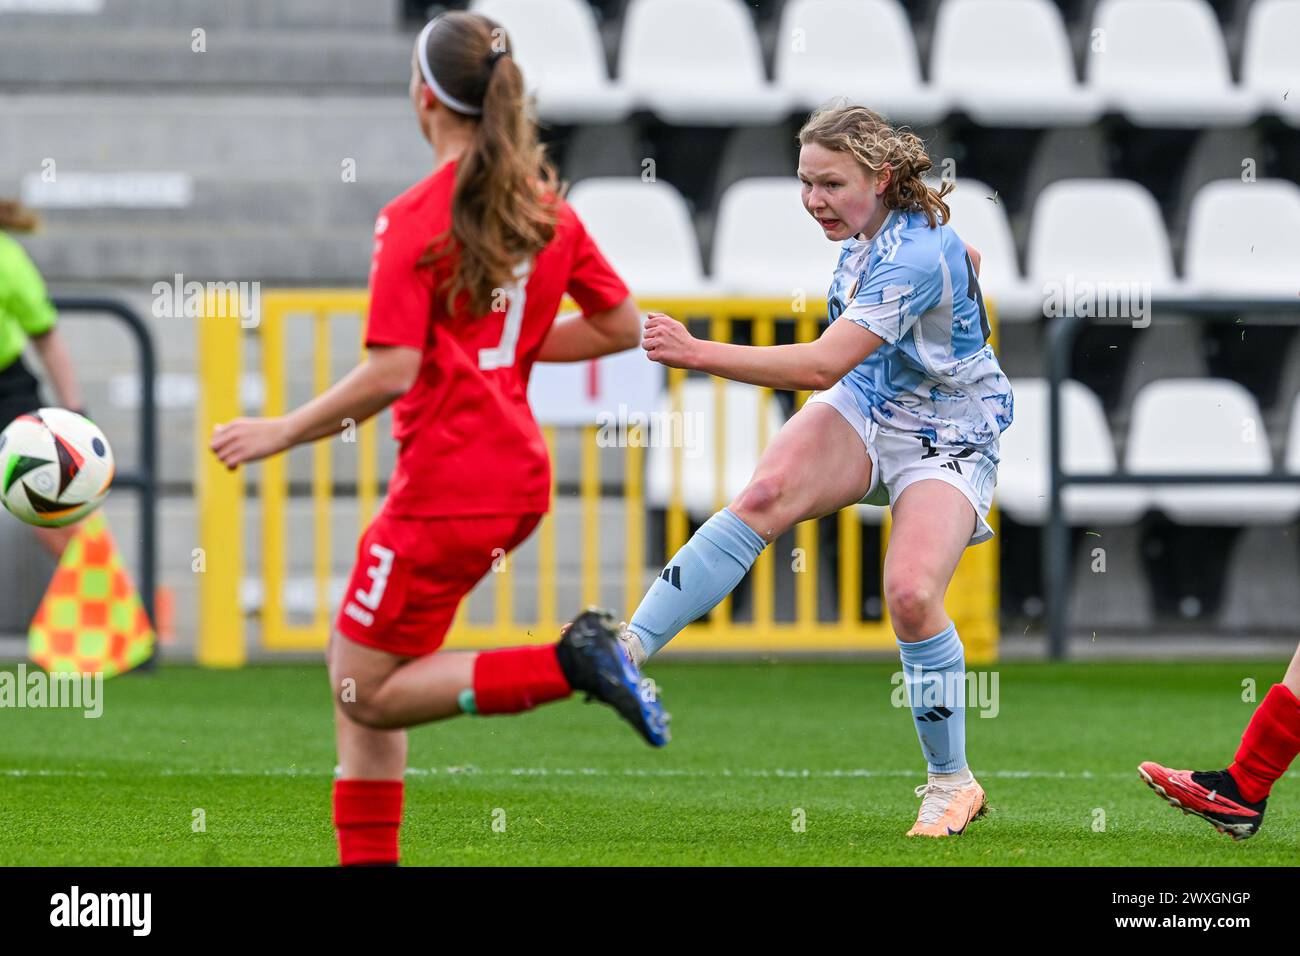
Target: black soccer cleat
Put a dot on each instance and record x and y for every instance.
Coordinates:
(593, 661)
(1210, 794)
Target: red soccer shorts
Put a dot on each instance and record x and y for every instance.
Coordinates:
(412, 573)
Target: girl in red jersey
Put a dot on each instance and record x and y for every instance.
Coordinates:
(469, 268)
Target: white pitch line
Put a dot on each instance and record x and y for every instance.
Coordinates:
(723, 773)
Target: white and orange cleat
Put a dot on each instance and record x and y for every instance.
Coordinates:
(948, 803)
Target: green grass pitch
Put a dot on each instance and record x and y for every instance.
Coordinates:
(759, 746)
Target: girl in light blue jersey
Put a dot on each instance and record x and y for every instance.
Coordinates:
(909, 407)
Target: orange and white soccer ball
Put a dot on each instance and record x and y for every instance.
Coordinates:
(55, 467)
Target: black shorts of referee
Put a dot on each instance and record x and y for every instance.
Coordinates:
(19, 392)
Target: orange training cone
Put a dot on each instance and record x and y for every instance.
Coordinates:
(91, 619)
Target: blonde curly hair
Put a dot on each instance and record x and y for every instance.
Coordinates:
(876, 145)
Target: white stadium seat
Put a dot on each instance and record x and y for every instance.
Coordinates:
(1008, 63)
(982, 222)
(1203, 426)
(1086, 449)
(644, 229)
(1270, 68)
(1102, 231)
(819, 57)
(1163, 63)
(766, 243)
(1243, 239)
(699, 461)
(697, 61)
(559, 50)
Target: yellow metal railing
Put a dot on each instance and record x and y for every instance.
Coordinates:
(972, 599)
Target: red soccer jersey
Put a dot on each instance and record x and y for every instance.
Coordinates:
(469, 444)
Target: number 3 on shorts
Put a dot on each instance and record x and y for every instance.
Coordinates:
(379, 577)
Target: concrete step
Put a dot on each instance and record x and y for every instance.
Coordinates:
(280, 136)
(309, 202)
(248, 253)
(231, 59)
(113, 15)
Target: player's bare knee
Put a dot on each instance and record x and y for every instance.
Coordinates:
(911, 603)
(760, 501)
(359, 699)
(369, 711)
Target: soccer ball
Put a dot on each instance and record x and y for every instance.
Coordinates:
(55, 467)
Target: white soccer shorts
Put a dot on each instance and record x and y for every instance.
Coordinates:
(900, 458)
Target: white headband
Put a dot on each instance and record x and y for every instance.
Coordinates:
(448, 99)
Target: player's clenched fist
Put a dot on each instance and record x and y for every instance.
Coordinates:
(248, 439)
(667, 341)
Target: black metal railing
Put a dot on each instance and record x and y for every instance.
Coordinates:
(143, 479)
(1062, 335)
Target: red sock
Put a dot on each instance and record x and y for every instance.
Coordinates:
(367, 814)
(1270, 743)
(518, 678)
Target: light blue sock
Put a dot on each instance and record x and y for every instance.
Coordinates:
(934, 672)
(700, 575)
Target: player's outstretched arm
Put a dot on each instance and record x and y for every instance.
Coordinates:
(803, 366)
(577, 337)
(58, 363)
(372, 386)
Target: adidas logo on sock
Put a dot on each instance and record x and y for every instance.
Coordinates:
(675, 578)
(939, 713)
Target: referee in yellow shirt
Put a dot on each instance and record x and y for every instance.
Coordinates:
(27, 313)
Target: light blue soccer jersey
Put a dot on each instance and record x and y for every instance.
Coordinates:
(935, 375)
